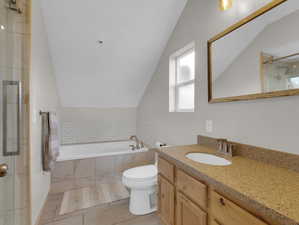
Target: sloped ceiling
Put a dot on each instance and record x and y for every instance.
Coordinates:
(115, 73)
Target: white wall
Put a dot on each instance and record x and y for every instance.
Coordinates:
(43, 96)
(82, 125)
(271, 123)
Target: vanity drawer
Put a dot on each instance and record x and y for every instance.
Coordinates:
(192, 188)
(227, 212)
(166, 169)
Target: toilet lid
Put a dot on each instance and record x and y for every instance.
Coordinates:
(141, 172)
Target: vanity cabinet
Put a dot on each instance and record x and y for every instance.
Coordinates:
(188, 213)
(185, 200)
(228, 213)
(166, 201)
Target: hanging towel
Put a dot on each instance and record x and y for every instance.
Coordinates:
(50, 140)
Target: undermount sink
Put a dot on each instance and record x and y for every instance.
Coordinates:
(208, 159)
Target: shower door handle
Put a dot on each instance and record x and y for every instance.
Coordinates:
(3, 170)
(7, 140)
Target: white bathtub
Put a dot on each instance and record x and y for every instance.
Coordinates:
(93, 150)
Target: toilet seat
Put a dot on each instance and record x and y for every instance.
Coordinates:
(141, 173)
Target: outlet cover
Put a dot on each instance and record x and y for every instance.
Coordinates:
(209, 126)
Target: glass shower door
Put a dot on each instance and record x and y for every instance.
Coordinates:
(7, 187)
(14, 201)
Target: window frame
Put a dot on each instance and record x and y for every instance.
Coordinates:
(179, 54)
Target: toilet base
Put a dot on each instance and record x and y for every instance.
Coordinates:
(143, 202)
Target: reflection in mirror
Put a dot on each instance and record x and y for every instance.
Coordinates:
(279, 73)
(258, 57)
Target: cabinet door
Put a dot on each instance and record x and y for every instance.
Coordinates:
(214, 222)
(189, 213)
(228, 213)
(166, 201)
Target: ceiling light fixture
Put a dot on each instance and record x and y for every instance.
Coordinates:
(2, 27)
(225, 4)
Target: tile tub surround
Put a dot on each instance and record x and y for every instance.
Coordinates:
(74, 174)
(263, 189)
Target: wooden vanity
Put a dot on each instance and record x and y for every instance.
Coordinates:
(196, 194)
(185, 200)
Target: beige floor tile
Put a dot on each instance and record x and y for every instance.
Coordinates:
(108, 178)
(143, 220)
(84, 182)
(50, 209)
(115, 214)
(57, 197)
(74, 220)
(68, 215)
(118, 191)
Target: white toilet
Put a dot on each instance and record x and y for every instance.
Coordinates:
(142, 182)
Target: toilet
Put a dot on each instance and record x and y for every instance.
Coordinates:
(142, 182)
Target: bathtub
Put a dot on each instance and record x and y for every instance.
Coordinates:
(88, 165)
(94, 150)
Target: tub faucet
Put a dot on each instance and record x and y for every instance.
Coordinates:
(134, 138)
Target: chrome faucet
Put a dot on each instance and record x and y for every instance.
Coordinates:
(138, 143)
(225, 147)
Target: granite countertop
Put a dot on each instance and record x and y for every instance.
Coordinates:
(274, 190)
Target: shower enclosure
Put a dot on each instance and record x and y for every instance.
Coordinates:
(14, 70)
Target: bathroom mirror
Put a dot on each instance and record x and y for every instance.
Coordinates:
(258, 57)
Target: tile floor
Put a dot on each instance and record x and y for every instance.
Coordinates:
(116, 213)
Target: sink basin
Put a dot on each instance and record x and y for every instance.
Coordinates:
(208, 159)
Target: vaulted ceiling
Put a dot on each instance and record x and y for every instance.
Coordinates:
(116, 72)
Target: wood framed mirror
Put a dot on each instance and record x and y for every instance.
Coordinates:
(258, 57)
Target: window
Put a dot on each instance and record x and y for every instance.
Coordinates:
(293, 82)
(181, 80)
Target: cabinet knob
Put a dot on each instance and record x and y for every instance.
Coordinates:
(222, 202)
